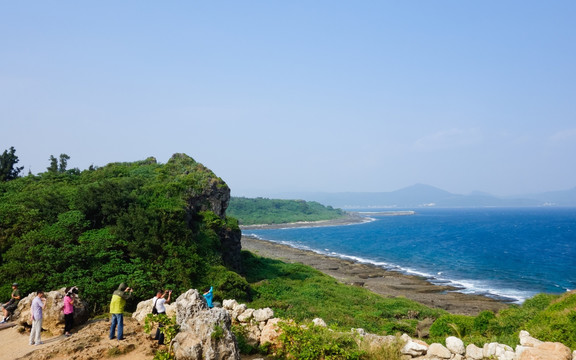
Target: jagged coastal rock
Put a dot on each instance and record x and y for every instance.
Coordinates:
(53, 317)
(204, 333)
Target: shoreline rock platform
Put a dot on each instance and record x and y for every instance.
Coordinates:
(376, 279)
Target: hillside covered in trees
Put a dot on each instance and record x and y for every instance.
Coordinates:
(274, 211)
(147, 224)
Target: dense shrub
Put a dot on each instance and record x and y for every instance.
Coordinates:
(316, 342)
(124, 222)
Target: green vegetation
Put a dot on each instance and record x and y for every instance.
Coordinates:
(546, 317)
(299, 292)
(169, 329)
(271, 211)
(316, 342)
(143, 223)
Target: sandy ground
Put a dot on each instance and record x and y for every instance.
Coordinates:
(87, 342)
(376, 279)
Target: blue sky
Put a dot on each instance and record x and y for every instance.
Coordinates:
(301, 95)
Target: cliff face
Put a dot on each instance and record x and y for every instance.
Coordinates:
(207, 192)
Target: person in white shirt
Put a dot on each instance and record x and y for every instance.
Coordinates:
(159, 300)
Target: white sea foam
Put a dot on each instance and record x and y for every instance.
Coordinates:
(466, 286)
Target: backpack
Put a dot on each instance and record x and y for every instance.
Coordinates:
(154, 310)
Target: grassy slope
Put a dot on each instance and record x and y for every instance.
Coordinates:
(302, 293)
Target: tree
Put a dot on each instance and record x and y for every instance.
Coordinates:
(63, 163)
(56, 167)
(7, 169)
(53, 168)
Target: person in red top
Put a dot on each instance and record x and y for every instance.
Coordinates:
(68, 309)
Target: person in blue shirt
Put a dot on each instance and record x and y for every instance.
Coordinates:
(208, 295)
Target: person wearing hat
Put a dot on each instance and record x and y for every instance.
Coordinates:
(12, 304)
(117, 304)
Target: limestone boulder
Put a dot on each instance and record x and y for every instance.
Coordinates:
(188, 305)
(455, 345)
(204, 333)
(229, 304)
(473, 352)
(527, 340)
(245, 316)
(414, 348)
(438, 351)
(252, 334)
(237, 310)
(53, 317)
(263, 314)
(496, 350)
(546, 351)
(319, 322)
(270, 332)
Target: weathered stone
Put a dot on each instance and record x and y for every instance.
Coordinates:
(438, 351)
(145, 307)
(546, 351)
(188, 305)
(496, 350)
(458, 357)
(252, 334)
(413, 348)
(405, 337)
(319, 322)
(455, 345)
(246, 315)
(358, 331)
(229, 304)
(237, 310)
(527, 340)
(263, 314)
(270, 332)
(204, 333)
(508, 355)
(53, 317)
(473, 352)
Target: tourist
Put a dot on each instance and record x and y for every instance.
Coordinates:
(208, 295)
(159, 301)
(117, 304)
(12, 304)
(38, 304)
(68, 309)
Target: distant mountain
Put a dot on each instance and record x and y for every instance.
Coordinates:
(560, 198)
(421, 195)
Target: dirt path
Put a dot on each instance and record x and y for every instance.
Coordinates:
(88, 342)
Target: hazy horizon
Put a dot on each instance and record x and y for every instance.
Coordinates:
(299, 97)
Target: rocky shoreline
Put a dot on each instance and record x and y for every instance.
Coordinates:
(378, 280)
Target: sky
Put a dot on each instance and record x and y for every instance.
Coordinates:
(299, 96)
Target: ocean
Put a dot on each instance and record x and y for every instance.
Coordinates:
(504, 253)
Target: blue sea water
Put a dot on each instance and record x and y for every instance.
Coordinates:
(509, 254)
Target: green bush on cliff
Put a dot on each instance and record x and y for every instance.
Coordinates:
(143, 223)
(273, 211)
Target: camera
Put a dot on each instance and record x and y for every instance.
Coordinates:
(72, 291)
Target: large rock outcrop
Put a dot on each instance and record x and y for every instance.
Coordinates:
(53, 317)
(209, 193)
(205, 334)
